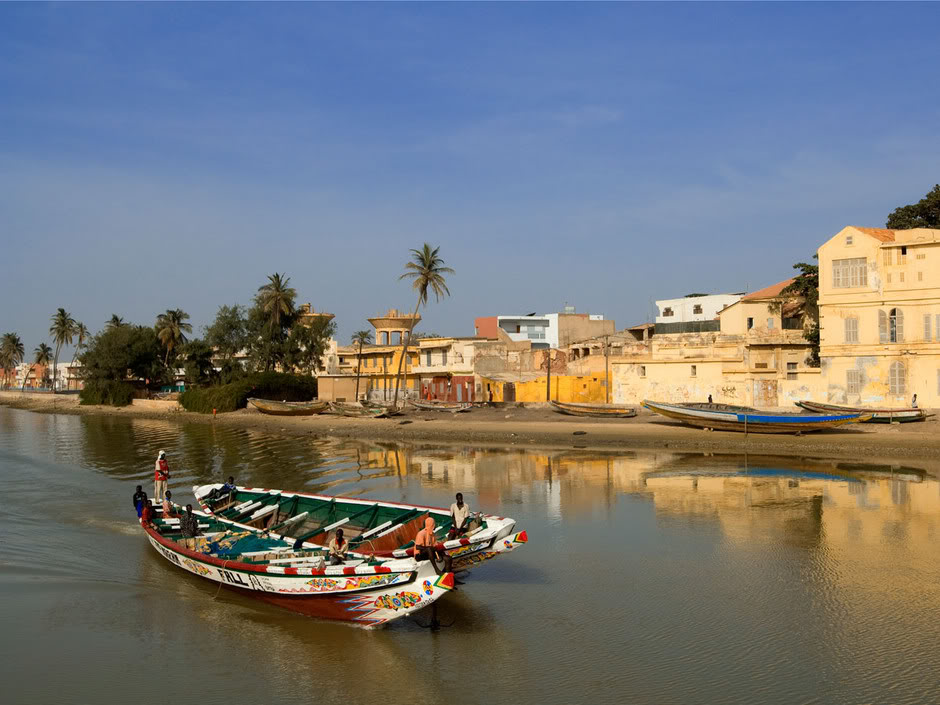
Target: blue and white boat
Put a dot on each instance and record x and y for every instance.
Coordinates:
(722, 417)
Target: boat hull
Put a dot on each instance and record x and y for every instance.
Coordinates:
(877, 415)
(365, 597)
(284, 408)
(752, 422)
(452, 407)
(363, 412)
(608, 411)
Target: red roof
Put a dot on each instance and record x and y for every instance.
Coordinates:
(878, 233)
(770, 292)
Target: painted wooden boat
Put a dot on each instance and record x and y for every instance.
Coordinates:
(289, 408)
(877, 415)
(385, 529)
(455, 407)
(753, 421)
(365, 591)
(362, 411)
(610, 411)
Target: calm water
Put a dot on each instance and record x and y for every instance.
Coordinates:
(648, 578)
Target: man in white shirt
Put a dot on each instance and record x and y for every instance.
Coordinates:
(459, 515)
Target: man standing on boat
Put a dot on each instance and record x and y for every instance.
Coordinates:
(140, 499)
(189, 523)
(459, 513)
(161, 473)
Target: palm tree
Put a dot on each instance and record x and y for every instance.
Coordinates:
(61, 330)
(82, 334)
(426, 270)
(277, 300)
(363, 337)
(11, 353)
(42, 354)
(114, 322)
(171, 327)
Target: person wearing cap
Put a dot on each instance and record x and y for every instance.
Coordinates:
(161, 473)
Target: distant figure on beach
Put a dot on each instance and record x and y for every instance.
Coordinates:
(338, 547)
(189, 523)
(459, 513)
(147, 513)
(914, 402)
(709, 398)
(161, 473)
(168, 510)
(140, 499)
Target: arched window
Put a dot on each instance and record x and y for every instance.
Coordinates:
(897, 378)
(895, 325)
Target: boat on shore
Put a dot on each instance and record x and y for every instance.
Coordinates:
(882, 415)
(610, 411)
(454, 407)
(730, 418)
(357, 410)
(383, 529)
(289, 408)
(364, 590)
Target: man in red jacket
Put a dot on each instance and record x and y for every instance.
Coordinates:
(161, 473)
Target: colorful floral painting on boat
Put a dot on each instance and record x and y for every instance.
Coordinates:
(357, 582)
(196, 567)
(402, 600)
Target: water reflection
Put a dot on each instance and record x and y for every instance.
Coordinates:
(650, 577)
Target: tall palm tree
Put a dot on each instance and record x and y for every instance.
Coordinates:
(11, 353)
(277, 300)
(81, 335)
(114, 322)
(426, 271)
(41, 356)
(171, 329)
(62, 330)
(363, 337)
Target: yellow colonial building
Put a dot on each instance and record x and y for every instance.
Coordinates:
(879, 309)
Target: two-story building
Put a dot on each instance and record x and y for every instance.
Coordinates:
(879, 310)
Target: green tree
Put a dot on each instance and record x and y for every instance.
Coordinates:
(306, 344)
(42, 355)
(171, 329)
(62, 330)
(426, 271)
(115, 321)
(197, 356)
(124, 352)
(270, 321)
(360, 337)
(228, 334)
(923, 214)
(81, 336)
(805, 290)
(11, 354)
(276, 299)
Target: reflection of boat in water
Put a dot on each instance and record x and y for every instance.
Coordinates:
(877, 415)
(289, 408)
(600, 410)
(726, 418)
(385, 529)
(366, 591)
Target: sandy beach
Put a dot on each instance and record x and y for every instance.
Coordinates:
(544, 428)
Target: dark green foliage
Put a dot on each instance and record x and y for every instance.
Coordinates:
(106, 392)
(197, 359)
(122, 353)
(923, 214)
(228, 333)
(806, 288)
(264, 385)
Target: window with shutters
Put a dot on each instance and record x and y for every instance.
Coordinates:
(888, 277)
(791, 370)
(428, 354)
(897, 379)
(926, 326)
(851, 330)
(848, 273)
(697, 308)
(667, 312)
(770, 324)
(895, 326)
(852, 382)
(443, 357)
(694, 370)
(920, 276)
(901, 277)
(887, 257)
(848, 240)
(902, 255)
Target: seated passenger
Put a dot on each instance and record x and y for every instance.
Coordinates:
(147, 513)
(169, 510)
(189, 523)
(338, 547)
(424, 541)
(228, 486)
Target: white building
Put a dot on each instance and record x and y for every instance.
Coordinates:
(694, 308)
(554, 330)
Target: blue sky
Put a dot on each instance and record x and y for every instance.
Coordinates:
(157, 156)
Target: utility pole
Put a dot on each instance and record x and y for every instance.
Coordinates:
(607, 366)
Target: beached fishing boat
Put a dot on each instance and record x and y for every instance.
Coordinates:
(385, 529)
(882, 415)
(610, 411)
(289, 408)
(364, 590)
(362, 411)
(455, 407)
(750, 420)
